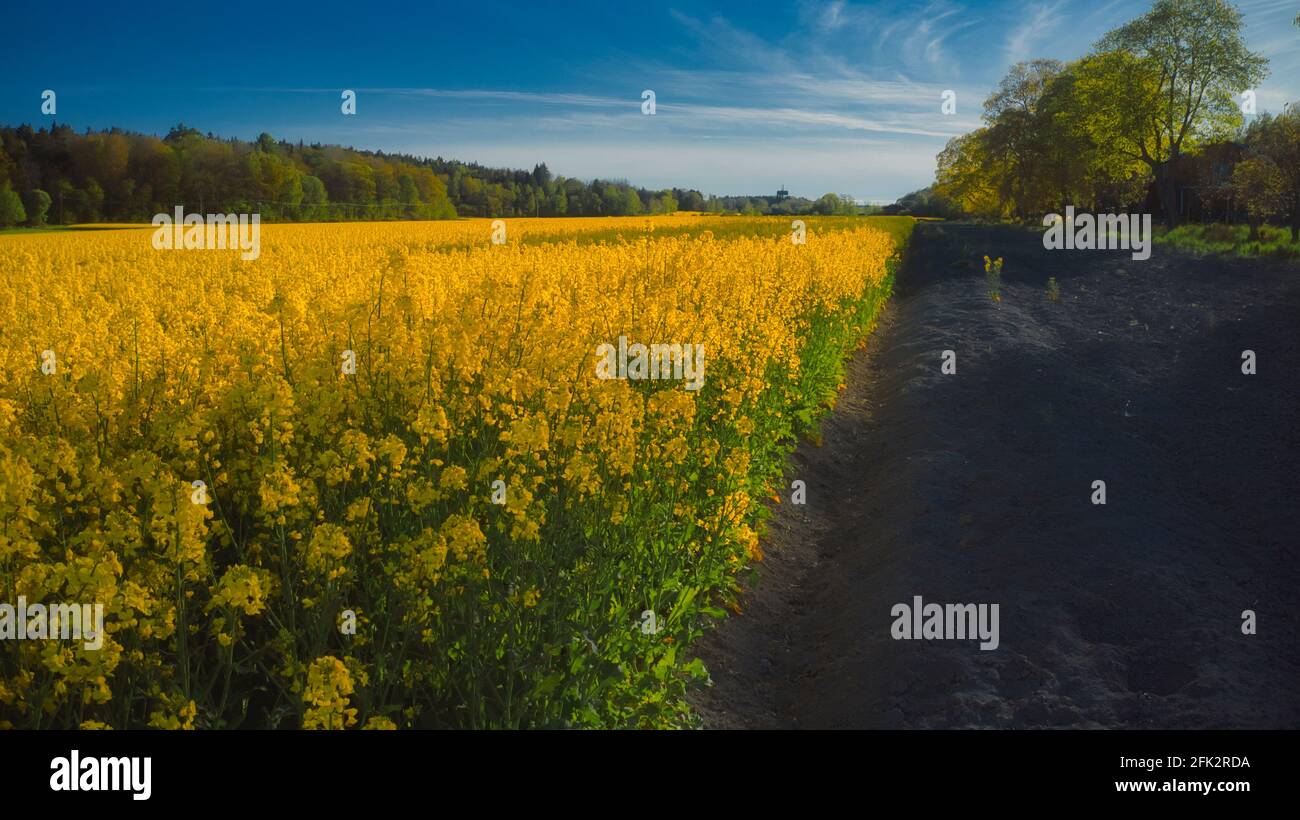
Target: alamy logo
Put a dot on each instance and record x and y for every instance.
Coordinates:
(657, 361)
(219, 231)
(102, 774)
(1086, 232)
(945, 622)
(38, 622)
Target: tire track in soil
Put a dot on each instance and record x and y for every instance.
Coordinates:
(975, 488)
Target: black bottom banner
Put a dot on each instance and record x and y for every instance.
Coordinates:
(148, 770)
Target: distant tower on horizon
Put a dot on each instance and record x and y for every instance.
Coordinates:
(782, 193)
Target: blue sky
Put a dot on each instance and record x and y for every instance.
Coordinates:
(819, 95)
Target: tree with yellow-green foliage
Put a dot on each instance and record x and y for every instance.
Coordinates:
(1159, 86)
(1259, 185)
(1275, 142)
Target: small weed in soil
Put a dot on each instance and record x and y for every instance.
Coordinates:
(993, 273)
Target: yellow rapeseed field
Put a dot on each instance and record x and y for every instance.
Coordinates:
(371, 478)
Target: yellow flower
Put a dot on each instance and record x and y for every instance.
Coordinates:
(328, 547)
(243, 588)
(329, 683)
(327, 491)
(453, 478)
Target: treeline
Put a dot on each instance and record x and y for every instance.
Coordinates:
(783, 205)
(478, 191)
(1152, 118)
(60, 176)
(924, 202)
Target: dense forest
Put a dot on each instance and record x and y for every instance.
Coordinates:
(59, 176)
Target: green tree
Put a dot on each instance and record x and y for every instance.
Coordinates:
(966, 176)
(558, 204)
(633, 202)
(1020, 136)
(11, 207)
(37, 206)
(542, 175)
(1261, 188)
(829, 204)
(1277, 138)
(314, 199)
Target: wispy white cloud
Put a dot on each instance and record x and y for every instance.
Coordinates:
(934, 25)
(1024, 39)
(615, 111)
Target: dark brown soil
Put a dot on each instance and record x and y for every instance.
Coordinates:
(976, 488)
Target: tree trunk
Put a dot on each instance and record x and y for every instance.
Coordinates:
(1168, 192)
(1254, 231)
